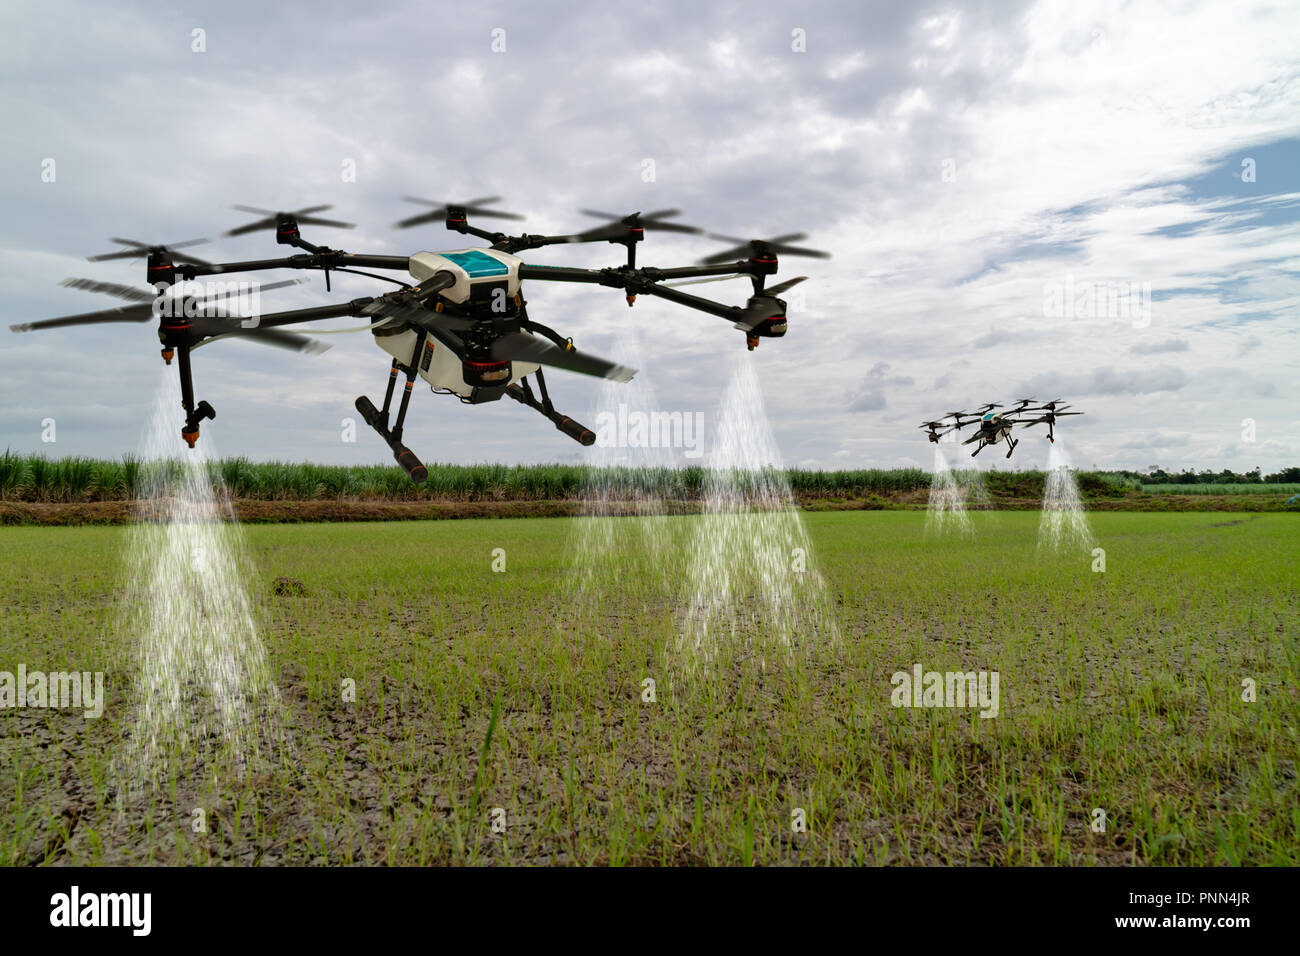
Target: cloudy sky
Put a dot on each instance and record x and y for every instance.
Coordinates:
(1097, 201)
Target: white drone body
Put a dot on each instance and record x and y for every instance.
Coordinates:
(482, 275)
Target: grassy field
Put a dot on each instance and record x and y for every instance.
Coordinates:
(1244, 488)
(1120, 691)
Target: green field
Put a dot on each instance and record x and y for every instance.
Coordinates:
(36, 478)
(1244, 488)
(1120, 690)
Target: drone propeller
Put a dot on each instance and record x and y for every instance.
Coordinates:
(270, 219)
(988, 407)
(522, 347)
(139, 250)
(279, 338)
(142, 312)
(748, 247)
(441, 211)
(398, 309)
(650, 221)
(128, 292)
(957, 415)
(134, 294)
(784, 286)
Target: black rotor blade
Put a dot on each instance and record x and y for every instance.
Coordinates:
(133, 294)
(522, 347)
(279, 338)
(252, 227)
(279, 284)
(787, 284)
(402, 310)
(122, 254)
(314, 221)
(434, 215)
(654, 225)
(779, 245)
(126, 313)
(440, 210)
(613, 230)
(650, 221)
(270, 219)
(138, 250)
(128, 292)
(186, 257)
(491, 213)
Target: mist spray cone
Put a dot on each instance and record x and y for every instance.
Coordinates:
(946, 510)
(753, 585)
(623, 532)
(1064, 523)
(202, 686)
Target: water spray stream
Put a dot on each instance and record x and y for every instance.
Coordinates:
(754, 586)
(946, 512)
(1064, 523)
(202, 688)
(623, 504)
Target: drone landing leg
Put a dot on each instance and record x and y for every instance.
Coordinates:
(193, 414)
(523, 394)
(379, 420)
(388, 395)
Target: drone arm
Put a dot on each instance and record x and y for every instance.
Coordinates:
(465, 228)
(691, 272)
(514, 244)
(347, 259)
(567, 274)
(193, 271)
(314, 314)
(329, 259)
(638, 282)
(730, 312)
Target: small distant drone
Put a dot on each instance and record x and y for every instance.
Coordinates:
(994, 427)
(463, 326)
